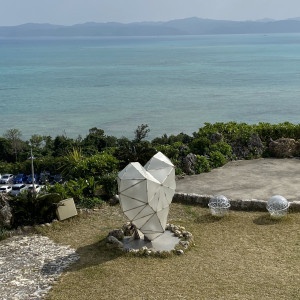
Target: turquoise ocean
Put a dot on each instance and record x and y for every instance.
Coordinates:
(174, 84)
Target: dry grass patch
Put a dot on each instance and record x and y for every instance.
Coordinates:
(246, 255)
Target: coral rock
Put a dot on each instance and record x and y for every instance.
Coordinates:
(284, 147)
(188, 163)
(117, 233)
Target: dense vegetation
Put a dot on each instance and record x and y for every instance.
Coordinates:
(90, 164)
(100, 156)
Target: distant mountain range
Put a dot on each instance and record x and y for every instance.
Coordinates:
(190, 26)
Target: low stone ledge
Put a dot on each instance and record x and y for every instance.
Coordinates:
(192, 198)
(295, 206)
(246, 204)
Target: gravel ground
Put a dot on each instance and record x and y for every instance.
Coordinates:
(29, 265)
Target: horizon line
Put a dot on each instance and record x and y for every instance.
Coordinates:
(263, 20)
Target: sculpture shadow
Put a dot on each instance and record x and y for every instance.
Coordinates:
(58, 265)
(89, 255)
(207, 218)
(268, 220)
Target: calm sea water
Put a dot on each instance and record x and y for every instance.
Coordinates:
(174, 84)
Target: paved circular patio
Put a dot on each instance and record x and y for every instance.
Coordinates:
(248, 179)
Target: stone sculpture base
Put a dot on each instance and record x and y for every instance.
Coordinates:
(175, 240)
(165, 242)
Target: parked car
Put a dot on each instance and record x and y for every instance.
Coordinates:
(57, 179)
(5, 189)
(20, 178)
(18, 188)
(37, 188)
(7, 178)
(47, 173)
(44, 177)
(29, 179)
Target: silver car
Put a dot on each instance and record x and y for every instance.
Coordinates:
(36, 187)
(5, 189)
(7, 178)
(18, 188)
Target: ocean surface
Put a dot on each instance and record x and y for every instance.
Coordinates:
(174, 84)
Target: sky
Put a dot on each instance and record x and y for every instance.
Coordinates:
(69, 12)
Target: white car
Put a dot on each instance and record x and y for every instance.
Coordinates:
(5, 189)
(37, 188)
(18, 188)
(7, 178)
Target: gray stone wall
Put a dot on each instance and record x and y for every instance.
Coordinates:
(245, 204)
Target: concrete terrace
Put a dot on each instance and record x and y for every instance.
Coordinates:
(248, 179)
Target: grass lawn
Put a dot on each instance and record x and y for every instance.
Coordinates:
(246, 255)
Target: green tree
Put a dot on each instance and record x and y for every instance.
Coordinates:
(62, 145)
(141, 132)
(94, 141)
(75, 165)
(48, 148)
(131, 151)
(5, 150)
(14, 137)
(36, 141)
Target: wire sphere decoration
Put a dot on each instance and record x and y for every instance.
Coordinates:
(219, 205)
(277, 206)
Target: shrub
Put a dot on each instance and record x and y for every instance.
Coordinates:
(230, 131)
(81, 187)
(109, 184)
(222, 147)
(178, 171)
(75, 188)
(171, 151)
(4, 233)
(27, 209)
(200, 145)
(217, 159)
(76, 165)
(90, 202)
(57, 188)
(276, 131)
(202, 164)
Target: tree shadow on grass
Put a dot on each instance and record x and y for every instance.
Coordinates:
(89, 256)
(268, 220)
(207, 218)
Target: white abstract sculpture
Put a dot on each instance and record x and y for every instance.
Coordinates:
(146, 192)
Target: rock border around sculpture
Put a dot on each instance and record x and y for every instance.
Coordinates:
(116, 237)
